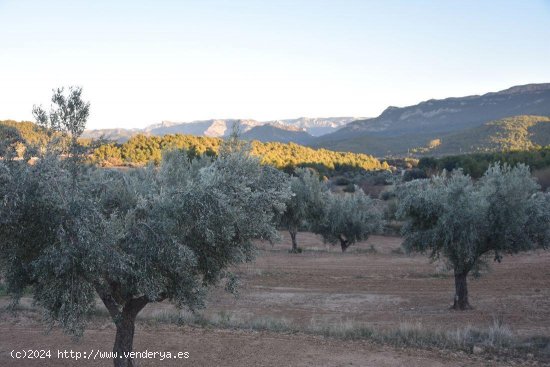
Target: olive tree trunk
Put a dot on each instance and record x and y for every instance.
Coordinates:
(461, 291)
(344, 243)
(124, 341)
(293, 233)
(125, 327)
(123, 313)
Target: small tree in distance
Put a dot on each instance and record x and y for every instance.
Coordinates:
(305, 206)
(69, 115)
(348, 218)
(463, 221)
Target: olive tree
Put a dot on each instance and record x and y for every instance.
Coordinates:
(305, 206)
(348, 218)
(450, 216)
(68, 115)
(131, 238)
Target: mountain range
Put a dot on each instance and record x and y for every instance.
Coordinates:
(280, 133)
(397, 131)
(514, 118)
(302, 129)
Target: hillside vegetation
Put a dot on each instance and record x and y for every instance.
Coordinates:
(476, 164)
(25, 132)
(512, 133)
(523, 132)
(141, 149)
(398, 130)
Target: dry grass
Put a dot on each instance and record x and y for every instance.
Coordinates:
(497, 339)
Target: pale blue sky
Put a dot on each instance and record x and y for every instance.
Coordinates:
(141, 62)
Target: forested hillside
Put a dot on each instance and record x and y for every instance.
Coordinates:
(142, 149)
(511, 133)
(24, 131)
(398, 130)
(476, 164)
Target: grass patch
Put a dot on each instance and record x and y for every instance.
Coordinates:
(371, 250)
(497, 339)
(222, 319)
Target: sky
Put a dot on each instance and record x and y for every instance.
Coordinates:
(142, 62)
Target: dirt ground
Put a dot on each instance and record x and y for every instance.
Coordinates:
(226, 348)
(373, 284)
(384, 287)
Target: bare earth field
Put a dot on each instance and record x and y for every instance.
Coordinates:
(374, 284)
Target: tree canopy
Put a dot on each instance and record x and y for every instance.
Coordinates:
(74, 232)
(476, 164)
(133, 237)
(141, 149)
(348, 218)
(463, 221)
(305, 207)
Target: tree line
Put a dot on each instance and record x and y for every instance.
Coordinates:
(476, 164)
(141, 149)
(339, 218)
(20, 138)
